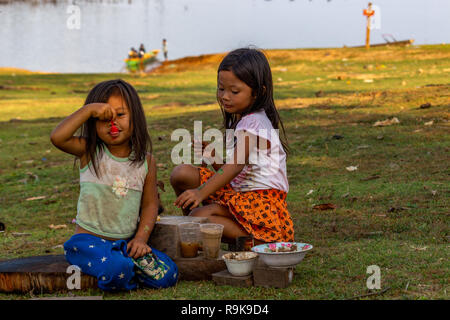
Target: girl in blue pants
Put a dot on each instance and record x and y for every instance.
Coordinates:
(108, 261)
(118, 203)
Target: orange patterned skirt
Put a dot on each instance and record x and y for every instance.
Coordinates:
(262, 213)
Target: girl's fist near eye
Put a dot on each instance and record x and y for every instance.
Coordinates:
(102, 111)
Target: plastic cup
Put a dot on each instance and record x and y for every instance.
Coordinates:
(189, 239)
(211, 239)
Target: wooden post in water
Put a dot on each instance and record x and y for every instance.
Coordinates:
(368, 13)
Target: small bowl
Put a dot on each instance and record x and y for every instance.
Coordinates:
(240, 263)
(282, 254)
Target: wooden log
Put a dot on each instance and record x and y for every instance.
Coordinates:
(49, 273)
(38, 274)
(224, 278)
(71, 298)
(165, 236)
(265, 276)
(199, 268)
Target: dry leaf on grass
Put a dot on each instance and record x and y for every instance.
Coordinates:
(387, 122)
(160, 184)
(373, 177)
(58, 226)
(20, 234)
(36, 198)
(419, 248)
(325, 206)
(373, 233)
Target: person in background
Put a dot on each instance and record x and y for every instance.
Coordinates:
(141, 50)
(132, 53)
(165, 51)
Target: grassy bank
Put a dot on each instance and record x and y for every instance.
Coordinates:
(391, 212)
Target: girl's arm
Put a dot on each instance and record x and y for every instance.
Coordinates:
(138, 247)
(63, 137)
(227, 172)
(224, 175)
(212, 158)
(217, 166)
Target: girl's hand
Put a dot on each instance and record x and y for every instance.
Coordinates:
(102, 111)
(189, 199)
(137, 248)
(206, 158)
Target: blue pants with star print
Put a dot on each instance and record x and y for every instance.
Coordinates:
(109, 262)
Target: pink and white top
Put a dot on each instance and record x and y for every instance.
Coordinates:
(267, 166)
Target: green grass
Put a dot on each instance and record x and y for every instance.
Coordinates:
(398, 221)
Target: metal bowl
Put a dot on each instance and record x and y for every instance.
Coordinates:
(240, 263)
(282, 254)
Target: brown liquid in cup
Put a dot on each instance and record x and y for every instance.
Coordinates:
(211, 242)
(189, 249)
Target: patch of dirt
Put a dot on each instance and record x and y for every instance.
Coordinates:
(150, 96)
(169, 105)
(358, 54)
(342, 54)
(7, 70)
(6, 87)
(189, 63)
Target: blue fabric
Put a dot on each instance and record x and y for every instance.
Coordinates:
(159, 272)
(109, 262)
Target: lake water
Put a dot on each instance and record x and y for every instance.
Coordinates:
(95, 36)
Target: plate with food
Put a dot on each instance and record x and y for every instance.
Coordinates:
(282, 254)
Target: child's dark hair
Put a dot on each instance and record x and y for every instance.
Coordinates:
(251, 66)
(140, 142)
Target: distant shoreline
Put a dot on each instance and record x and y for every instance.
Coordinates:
(214, 58)
(11, 70)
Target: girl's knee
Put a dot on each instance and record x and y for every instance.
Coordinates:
(210, 210)
(180, 171)
(182, 174)
(200, 212)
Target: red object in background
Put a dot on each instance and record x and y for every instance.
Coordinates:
(368, 13)
(113, 128)
(245, 243)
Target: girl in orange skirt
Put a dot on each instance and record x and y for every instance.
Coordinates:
(247, 194)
